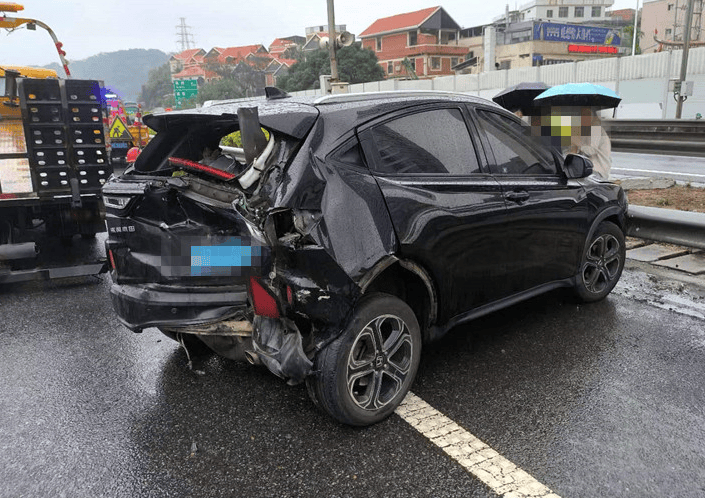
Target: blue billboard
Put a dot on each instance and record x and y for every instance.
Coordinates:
(571, 33)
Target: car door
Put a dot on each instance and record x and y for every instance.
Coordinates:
(547, 214)
(446, 211)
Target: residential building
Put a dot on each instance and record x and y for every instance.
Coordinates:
(622, 16)
(233, 55)
(322, 30)
(662, 22)
(314, 34)
(276, 69)
(286, 47)
(313, 42)
(424, 42)
(562, 11)
(187, 58)
(535, 43)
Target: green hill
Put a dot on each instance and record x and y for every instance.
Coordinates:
(124, 71)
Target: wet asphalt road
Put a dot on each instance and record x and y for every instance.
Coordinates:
(680, 168)
(598, 400)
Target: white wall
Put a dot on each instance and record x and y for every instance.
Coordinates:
(641, 81)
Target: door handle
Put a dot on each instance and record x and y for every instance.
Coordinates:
(517, 196)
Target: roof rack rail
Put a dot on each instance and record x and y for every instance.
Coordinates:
(211, 103)
(356, 97)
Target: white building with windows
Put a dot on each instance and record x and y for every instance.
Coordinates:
(563, 11)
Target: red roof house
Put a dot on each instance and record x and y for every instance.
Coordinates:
(233, 55)
(187, 58)
(425, 40)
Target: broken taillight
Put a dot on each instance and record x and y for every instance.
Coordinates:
(262, 301)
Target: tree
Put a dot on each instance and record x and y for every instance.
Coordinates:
(246, 79)
(220, 89)
(628, 35)
(355, 65)
(154, 93)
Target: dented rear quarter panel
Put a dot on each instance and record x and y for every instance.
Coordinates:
(353, 234)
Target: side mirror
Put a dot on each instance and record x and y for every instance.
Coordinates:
(577, 166)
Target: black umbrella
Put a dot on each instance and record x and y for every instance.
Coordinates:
(520, 96)
(579, 94)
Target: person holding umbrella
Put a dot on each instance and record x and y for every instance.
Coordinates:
(519, 98)
(581, 101)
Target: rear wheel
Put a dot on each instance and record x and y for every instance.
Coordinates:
(365, 373)
(602, 263)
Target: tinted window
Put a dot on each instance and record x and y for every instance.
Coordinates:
(515, 151)
(350, 153)
(427, 142)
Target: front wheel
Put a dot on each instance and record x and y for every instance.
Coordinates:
(365, 374)
(602, 263)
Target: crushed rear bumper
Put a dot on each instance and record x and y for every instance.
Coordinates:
(143, 306)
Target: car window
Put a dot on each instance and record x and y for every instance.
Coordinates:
(515, 152)
(434, 141)
(349, 153)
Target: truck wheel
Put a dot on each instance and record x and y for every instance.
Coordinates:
(365, 373)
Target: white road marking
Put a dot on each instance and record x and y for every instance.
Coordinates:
(657, 171)
(498, 473)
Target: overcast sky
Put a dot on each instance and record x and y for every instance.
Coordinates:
(89, 27)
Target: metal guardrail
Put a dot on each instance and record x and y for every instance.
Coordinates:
(683, 228)
(684, 137)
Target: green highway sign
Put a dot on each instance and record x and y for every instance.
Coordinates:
(184, 90)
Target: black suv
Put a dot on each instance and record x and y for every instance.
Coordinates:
(348, 230)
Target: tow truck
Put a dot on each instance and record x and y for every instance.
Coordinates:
(53, 163)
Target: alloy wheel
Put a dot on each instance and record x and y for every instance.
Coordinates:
(602, 263)
(379, 362)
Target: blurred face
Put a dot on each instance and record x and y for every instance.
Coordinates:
(559, 126)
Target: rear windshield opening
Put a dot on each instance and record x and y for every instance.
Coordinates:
(218, 147)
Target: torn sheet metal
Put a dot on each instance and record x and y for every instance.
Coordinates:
(280, 349)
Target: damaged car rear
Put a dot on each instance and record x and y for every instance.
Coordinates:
(328, 239)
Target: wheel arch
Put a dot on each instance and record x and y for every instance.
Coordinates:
(614, 214)
(408, 281)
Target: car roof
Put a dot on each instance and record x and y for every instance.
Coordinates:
(301, 110)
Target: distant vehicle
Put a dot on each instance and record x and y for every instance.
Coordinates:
(363, 226)
(136, 133)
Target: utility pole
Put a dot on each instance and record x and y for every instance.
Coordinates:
(331, 42)
(684, 60)
(636, 18)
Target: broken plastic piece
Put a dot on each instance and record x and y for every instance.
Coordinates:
(185, 163)
(280, 350)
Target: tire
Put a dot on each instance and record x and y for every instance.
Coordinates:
(602, 263)
(365, 373)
